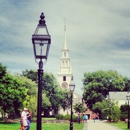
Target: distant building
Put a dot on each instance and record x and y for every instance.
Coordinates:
(65, 73)
(119, 96)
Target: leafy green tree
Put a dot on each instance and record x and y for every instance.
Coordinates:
(31, 86)
(31, 89)
(124, 112)
(124, 108)
(98, 84)
(99, 107)
(12, 94)
(3, 71)
(55, 97)
(126, 84)
(107, 108)
(115, 113)
(31, 74)
(78, 107)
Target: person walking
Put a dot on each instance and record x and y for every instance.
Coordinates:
(23, 120)
(78, 118)
(85, 118)
(28, 120)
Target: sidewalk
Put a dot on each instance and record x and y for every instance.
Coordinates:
(98, 125)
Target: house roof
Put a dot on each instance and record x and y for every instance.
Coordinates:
(118, 95)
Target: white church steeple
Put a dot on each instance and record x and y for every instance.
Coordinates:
(65, 44)
(65, 71)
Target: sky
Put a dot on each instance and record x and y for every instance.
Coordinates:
(98, 35)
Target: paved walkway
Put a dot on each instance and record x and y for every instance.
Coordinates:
(98, 125)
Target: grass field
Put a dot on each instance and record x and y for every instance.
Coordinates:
(121, 125)
(45, 126)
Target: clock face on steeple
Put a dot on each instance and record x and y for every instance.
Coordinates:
(64, 85)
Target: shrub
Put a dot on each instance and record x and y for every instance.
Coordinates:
(115, 114)
(66, 117)
(123, 116)
(59, 117)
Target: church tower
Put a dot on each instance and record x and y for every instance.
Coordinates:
(65, 71)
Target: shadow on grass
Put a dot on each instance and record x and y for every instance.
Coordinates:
(1, 122)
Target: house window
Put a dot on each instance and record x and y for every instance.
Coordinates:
(64, 78)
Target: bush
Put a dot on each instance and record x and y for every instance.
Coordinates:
(59, 117)
(66, 117)
(74, 118)
(104, 115)
(123, 116)
(115, 114)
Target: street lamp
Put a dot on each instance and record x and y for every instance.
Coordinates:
(128, 98)
(72, 87)
(41, 41)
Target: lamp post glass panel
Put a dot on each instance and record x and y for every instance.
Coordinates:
(41, 41)
(128, 98)
(72, 87)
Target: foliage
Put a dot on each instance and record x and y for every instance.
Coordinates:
(98, 84)
(53, 96)
(65, 117)
(12, 94)
(124, 108)
(115, 113)
(107, 108)
(30, 74)
(79, 108)
(3, 71)
(123, 116)
(31, 89)
(59, 116)
(124, 112)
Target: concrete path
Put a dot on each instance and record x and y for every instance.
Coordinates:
(98, 125)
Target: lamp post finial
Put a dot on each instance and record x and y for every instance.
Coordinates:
(42, 21)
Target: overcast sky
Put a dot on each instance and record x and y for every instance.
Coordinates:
(98, 35)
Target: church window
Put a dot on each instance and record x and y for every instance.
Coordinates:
(64, 78)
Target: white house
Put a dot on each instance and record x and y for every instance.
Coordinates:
(119, 96)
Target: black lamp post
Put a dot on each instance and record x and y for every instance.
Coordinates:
(128, 98)
(41, 41)
(72, 87)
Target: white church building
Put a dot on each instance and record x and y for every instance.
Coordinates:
(65, 73)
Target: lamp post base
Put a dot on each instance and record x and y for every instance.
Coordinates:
(71, 126)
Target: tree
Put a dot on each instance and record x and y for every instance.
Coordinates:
(31, 89)
(31, 74)
(78, 107)
(98, 84)
(124, 112)
(53, 96)
(12, 94)
(107, 108)
(2, 71)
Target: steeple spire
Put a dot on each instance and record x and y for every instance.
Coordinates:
(65, 45)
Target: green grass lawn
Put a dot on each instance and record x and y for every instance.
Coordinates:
(121, 125)
(45, 126)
